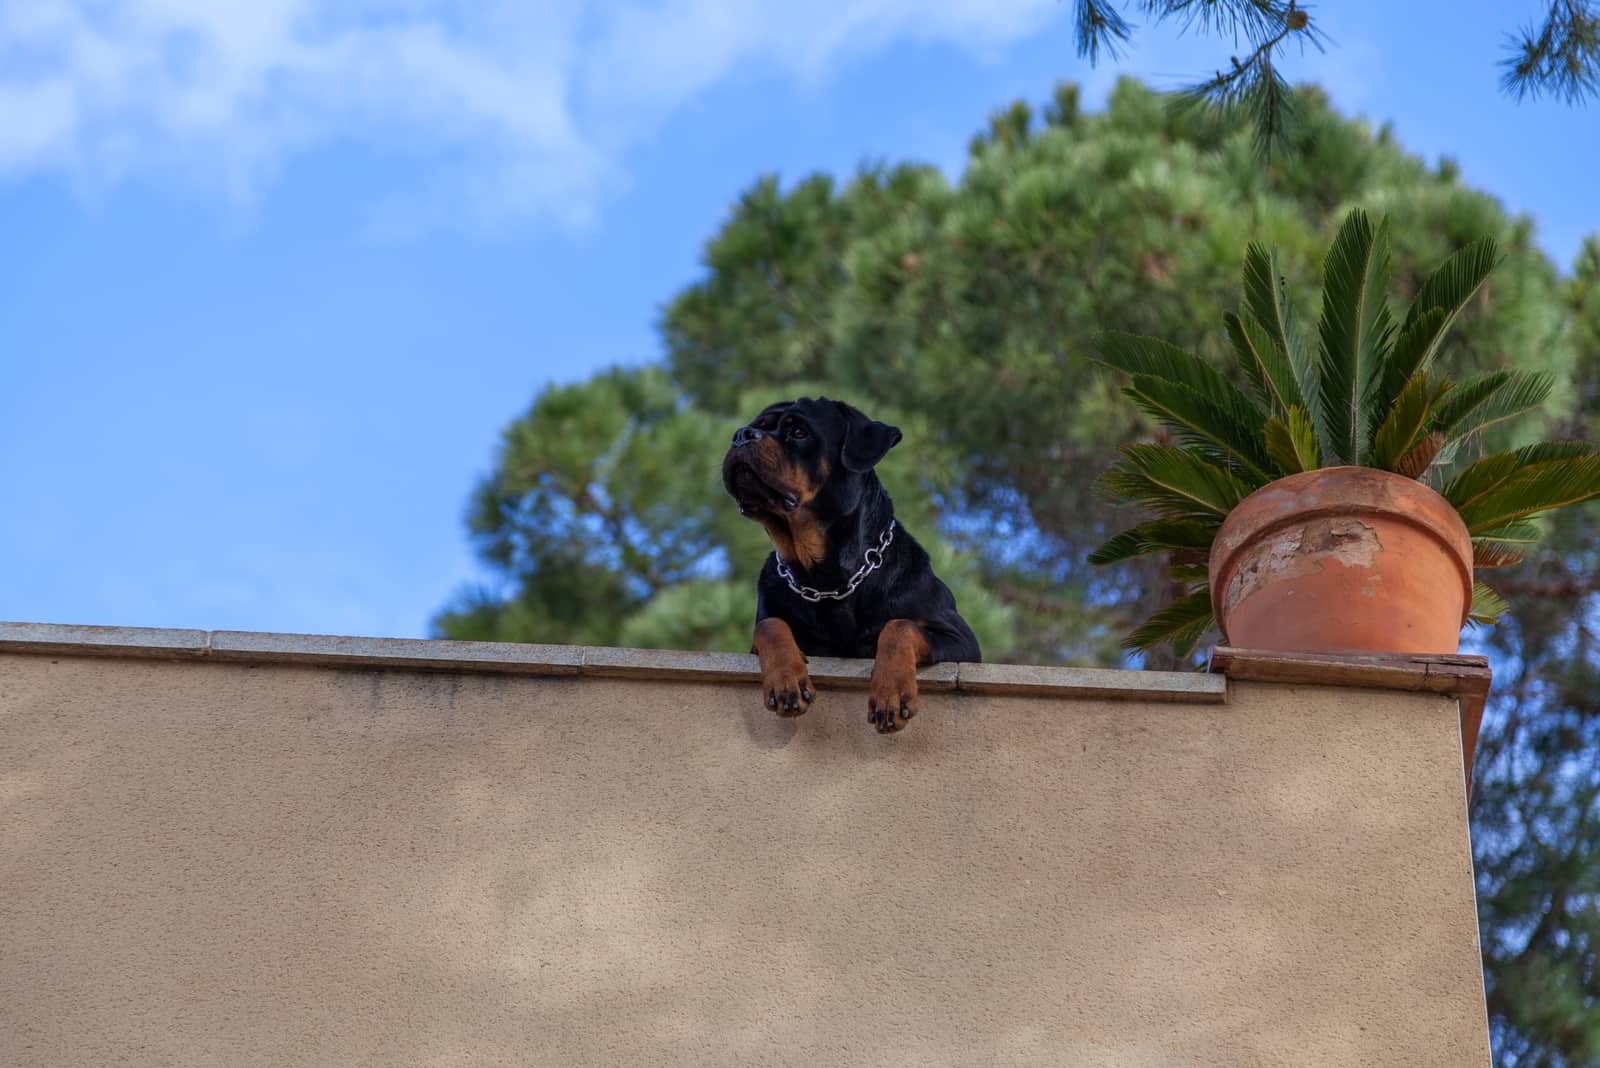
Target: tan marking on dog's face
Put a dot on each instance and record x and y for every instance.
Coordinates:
(790, 484)
(784, 473)
(796, 536)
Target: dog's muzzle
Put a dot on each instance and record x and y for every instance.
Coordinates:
(742, 477)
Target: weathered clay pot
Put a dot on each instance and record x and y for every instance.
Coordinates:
(1345, 559)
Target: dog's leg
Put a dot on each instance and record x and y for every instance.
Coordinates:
(892, 694)
(785, 683)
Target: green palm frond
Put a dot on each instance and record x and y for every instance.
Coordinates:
(1480, 478)
(1465, 398)
(1412, 349)
(1266, 365)
(1123, 545)
(1523, 392)
(1266, 299)
(1292, 442)
(1228, 438)
(1135, 354)
(1356, 330)
(1487, 399)
(1174, 482)
(1280, 446)
(1487, 606)
(1183, 623)
(1475, 480)
(1264, 293)
(1487, 555)
(1434, 311)
(1501, 489)
(1455, 280)
(1157, 536)
(1505, 545)
(1536, 489)
(1517, 532)
(1405, 423)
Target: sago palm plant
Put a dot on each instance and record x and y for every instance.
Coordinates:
(1362, 394)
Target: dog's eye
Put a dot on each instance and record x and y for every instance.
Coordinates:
(798, 433)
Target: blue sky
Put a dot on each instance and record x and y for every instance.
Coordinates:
(276, 273)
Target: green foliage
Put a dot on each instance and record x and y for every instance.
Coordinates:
(1292, 441)
(1487, 605)
(1269, 365)
(1156, 536)
(1485, 400)
(1536, 803)
(699, 614)
(1405, 423)
(1277, 353)
(1536, 808)
(1376, 405)
(1509, 487)
(1179, 484)
(1435, 308)
(1356, 332)
(1183, 623)
(965, 311)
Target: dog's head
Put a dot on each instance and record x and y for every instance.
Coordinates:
(804, 458)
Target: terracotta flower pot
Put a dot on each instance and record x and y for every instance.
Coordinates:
(1345, 559)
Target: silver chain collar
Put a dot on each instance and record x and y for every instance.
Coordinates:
(872, 559)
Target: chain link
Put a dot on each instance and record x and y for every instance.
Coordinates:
(871, 560)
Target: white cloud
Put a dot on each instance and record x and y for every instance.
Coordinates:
(533, 105)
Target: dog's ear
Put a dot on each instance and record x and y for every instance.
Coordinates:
(866, 441)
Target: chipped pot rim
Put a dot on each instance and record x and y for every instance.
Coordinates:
(1350, 491)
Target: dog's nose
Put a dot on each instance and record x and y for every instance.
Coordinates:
(746, 434)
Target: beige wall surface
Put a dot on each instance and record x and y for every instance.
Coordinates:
(278, 864)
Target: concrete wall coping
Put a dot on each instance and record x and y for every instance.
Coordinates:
(511, 658)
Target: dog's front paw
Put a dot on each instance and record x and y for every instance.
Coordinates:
(891, 697)
(786, 688)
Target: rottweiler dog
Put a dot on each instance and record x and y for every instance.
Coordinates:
(845, 579)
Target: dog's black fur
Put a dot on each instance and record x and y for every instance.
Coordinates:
(804, 470)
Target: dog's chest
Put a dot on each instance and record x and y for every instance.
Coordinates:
(837, 629)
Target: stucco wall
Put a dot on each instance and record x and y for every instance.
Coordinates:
(214, 862)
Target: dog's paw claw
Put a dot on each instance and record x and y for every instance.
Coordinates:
(890, 713)
(787, 695)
